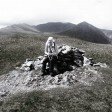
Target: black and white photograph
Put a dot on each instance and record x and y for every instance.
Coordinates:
(55, 55)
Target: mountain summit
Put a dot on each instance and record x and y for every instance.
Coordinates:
(87, 32)
(54, 27)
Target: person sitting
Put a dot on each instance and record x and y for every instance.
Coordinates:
(51, 52)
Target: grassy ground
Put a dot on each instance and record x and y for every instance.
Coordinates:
(98, 98)
(99, 52)
(14, 50)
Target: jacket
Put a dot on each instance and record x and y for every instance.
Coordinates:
(51, 48)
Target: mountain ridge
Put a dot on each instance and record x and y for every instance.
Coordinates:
(21, 28)
(108, 33)
(87, 32)
(54, 27)
(83, 30)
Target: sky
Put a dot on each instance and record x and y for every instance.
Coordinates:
(34, 12)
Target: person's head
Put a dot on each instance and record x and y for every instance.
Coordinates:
(50, 39)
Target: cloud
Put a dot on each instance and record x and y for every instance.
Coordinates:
(96, 12)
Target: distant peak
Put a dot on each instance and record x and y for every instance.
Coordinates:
(21, 24)
(84, 23)
(57, 23)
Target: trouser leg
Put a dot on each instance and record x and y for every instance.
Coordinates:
(51, 67)
(53, 62)
(44, 64)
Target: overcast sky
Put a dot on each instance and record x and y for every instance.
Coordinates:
(33, 12)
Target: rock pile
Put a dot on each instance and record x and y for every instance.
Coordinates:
(67, 58)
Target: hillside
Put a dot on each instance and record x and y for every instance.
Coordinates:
(18, 28)
(83, 31)
(54, 27)
(108, 33)
(83, 89)
(87, 32)
(17, 48)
